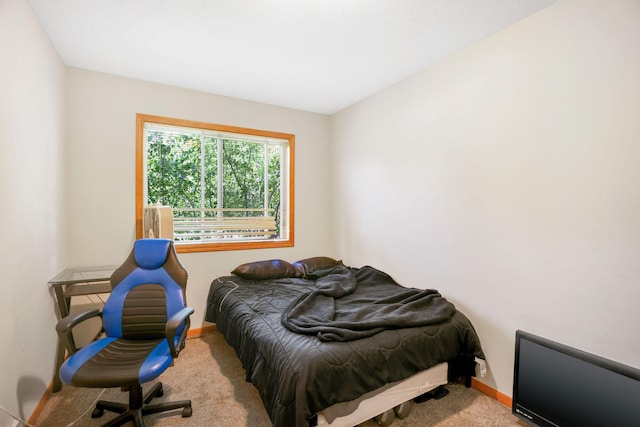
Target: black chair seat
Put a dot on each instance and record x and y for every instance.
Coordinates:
(119, 364)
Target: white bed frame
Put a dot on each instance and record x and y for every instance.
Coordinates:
(384, 398)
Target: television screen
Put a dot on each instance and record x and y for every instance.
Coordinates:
(557, 385)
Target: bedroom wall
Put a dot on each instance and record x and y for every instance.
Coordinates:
(101, 157)
(32, 192)
(507, 177)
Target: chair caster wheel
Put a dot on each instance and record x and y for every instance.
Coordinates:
(97, 413)
(186, 412)
(160, 392)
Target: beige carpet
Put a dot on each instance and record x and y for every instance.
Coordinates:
(209, 373)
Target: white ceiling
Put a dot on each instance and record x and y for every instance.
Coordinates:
(313, 55)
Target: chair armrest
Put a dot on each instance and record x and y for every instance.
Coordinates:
(65, 326)
(172, 326)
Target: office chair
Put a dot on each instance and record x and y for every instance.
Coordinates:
(145, 322)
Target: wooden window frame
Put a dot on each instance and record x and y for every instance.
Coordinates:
(141, 119)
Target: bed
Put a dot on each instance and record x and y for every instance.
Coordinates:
(321, 341)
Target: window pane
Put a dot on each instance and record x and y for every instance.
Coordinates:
(243, 176)
(173, 169)
(273, 200)
(211, 173)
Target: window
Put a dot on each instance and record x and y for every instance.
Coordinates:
(228, 187)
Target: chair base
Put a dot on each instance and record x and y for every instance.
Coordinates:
(139, 406)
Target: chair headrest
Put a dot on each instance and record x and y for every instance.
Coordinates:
(151, 253)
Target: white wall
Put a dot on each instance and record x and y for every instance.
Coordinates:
(508, 177)
(32, 215)
(101, 155)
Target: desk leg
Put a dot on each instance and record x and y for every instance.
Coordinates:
(63, 310)
(60, 354)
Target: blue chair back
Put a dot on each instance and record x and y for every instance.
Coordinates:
(146, 291)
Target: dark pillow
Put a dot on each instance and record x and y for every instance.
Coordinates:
(263, 270)
(305, 266)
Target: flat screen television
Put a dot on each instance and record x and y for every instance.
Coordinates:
(557, 385)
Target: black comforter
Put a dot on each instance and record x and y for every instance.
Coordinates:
(350, 304)
(299, 375)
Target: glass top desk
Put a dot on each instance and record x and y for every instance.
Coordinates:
(74, 282)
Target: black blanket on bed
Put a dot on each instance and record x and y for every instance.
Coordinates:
(350, 304)
(299, 375)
